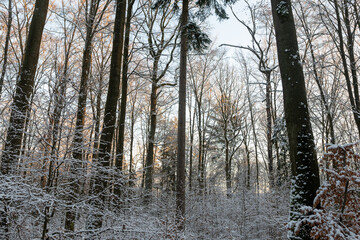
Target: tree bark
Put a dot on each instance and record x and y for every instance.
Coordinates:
(302, 148)
(227, 167)
(151, 139)
(77, 153)
(180, 180)
(24, 89)
(124, 89)
(269, 129)
(108, 130)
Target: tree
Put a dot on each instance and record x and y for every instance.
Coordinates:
(180, 166)
(162, 42)
(76, 165)
(310, 35)
(124, 92)
(305, 171)
(24, 89)
(201, 70)
(6, 47)
(261, 51)
(108, 130)
(167, 154)
(227, 120)
(341, 20)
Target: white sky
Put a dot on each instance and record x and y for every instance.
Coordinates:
(230, 31)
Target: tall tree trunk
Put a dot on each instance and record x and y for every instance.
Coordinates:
(98, 119)
(180, 180)
(304, 167)
(124, 89)
(252, 119)
(132, 133)
(108, 130)
(192, 128)
(247, 152)
(23, 94)
(76, 165)
(201, 151)
(85, 71)
(227, 168)
(269, 128)
(24, 89)
(6, 48)
(151, 137)
(353, 62)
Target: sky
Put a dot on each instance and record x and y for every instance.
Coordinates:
(230, 31)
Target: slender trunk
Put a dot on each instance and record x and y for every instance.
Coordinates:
(192, 127)
(108, 131)
(200, 157)
(180, 180)
(59, 106)
(269, 129)
(302, 148)
(323, 98)
(85, 71)
(255, 138)
(98, 120)
(131, 158)
(227, 169)
(151, 137)
(76, 166)
(248, 167)
(318, 81)
(354, 100)
(124, 87)
(353, 62)
(6, 48)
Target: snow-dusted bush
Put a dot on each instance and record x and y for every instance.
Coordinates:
(335, 214)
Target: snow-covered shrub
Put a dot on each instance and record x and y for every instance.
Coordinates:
(335, 213)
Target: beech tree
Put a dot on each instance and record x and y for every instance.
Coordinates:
(304, 166)
(108, 130)
(201, 70)
(76, 168)
(24, 89)
(162, 42)
(261, 51)
(124, 90)
(227, 121)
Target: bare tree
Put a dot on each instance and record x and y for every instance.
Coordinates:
(24, 89)
(262, 53)
(227, 120)
(162, 42)
(6, 47)
(108, 130)
(180, 172)
(124, 92)
(302, 148)
(92, 22)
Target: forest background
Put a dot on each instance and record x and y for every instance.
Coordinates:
(89, 139)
